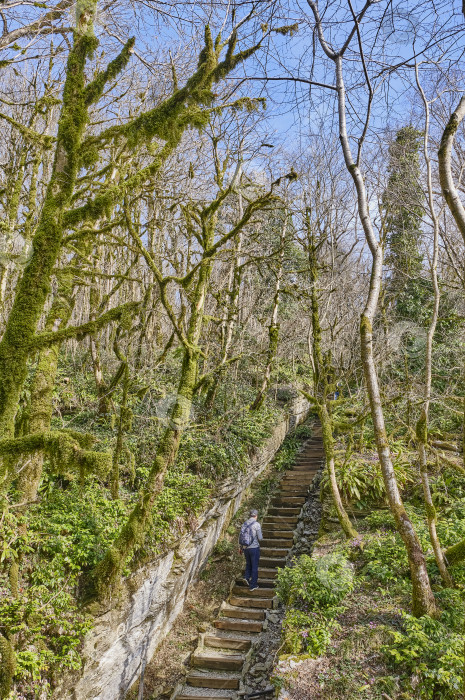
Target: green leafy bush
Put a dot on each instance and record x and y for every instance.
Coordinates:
(431, 651)
(386, 557)
(253, 427)
(315, 583)
(306, 633)
(361, 482)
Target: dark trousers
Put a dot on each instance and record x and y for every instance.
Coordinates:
(252, 557)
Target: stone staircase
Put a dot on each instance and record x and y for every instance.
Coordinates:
(217, 663)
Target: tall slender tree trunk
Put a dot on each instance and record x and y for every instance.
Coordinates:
(273, 329)
(321, 388)
(123, 422)
(94, 345)
(422, 424)
(230, 316)
(423, 602)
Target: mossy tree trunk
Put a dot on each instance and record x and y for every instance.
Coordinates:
(94, 345)
(133, 531)
(321, 391)
(273, 329)
(41, 402)
(7, 666)
(229, 319)
(124, 420)
(34, 284)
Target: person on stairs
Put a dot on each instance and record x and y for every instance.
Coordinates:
(249, 544)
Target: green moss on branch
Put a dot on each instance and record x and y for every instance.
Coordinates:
(128, 310)
(66, 449)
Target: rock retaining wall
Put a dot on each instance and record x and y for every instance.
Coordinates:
(127, 635)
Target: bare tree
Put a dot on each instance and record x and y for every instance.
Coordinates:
(423, 598)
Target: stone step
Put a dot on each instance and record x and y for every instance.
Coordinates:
(272, 532)
(276, 540)
(291, 519)
(299, 475)
(305, 471)
(218, 642)
(196, 696)
(315, 453)
(243, 613)
(273, 562)
(274, 552)
(217, 661)
(288, 501)
(279, 535)
(240, 601)
(284, 511)
(302, 479)
(266, 574)
(311, 464)
(277, 524)
(308, 468)
(293, 493)
(238, 625)
(296, 481)
(302, 482)
(202, 680)
(260, 593)
(285, 506)
(262, 582)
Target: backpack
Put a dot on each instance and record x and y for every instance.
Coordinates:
(246, 536)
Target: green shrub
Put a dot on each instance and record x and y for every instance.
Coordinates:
(315, 583)
(386, 557)
(306, 633)
(430, 650)
(361, 482)
(285, 457)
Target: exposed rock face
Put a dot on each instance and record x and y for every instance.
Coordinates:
(310, 519)
(126, 636)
